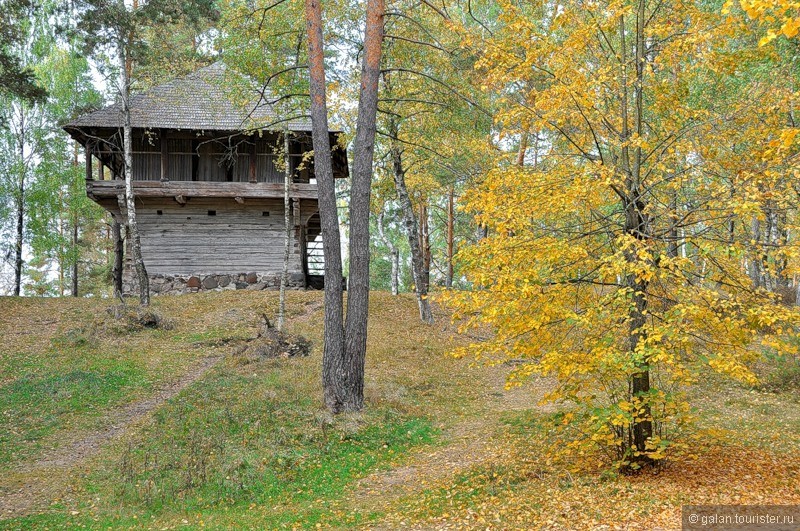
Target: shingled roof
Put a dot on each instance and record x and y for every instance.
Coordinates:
(213, 98)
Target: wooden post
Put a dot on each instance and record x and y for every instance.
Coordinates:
(164, 156)
(253, 162)
(296, 219)
(88, 155)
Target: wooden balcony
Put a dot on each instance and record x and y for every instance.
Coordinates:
(100, 190)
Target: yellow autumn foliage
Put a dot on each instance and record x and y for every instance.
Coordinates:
(631, 254)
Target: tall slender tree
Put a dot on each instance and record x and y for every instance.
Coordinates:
(46, 197)
(287, 226)
(333, 366)
(113, 31)
(345, 342)
(431, 118)
(360, 191)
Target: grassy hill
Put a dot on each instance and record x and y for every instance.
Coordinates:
(107, 422)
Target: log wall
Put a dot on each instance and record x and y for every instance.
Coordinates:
(218, 236)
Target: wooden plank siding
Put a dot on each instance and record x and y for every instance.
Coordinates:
(237, 238)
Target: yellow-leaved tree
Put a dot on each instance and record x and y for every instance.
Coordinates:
(780, 16)
(645, 239)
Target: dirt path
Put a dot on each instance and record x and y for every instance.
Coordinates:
(468, 444)
(38, 484)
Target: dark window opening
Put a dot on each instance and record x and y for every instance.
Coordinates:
(212, 212)
(265, 214)
(159, 212)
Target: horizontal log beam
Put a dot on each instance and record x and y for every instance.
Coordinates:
(188, 189)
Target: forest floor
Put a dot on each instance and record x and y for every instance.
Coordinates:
(110, 424)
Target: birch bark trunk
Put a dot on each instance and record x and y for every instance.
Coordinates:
(130, 203)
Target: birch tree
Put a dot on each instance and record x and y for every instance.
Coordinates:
(114, 32)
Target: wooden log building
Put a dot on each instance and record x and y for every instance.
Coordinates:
(208, 184)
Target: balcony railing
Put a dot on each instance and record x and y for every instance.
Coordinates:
(187, 189)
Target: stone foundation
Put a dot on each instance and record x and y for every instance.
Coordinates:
(179, 284)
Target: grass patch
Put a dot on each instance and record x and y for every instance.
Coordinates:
(36, 405)
(64, 363)
(249, 445)
(248, 436)
(244, 447)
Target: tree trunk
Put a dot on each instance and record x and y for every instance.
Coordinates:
(395, 271)
(796, 291)
(755, 260)
(130, 205)
(394, 254)
(523, 147)
(672, 244)
(20, 208)
(61, 253)
(451, 221)
(19, 237)
(778, 237)
(637, 225)
(75, 256)
(119, 250)
(287, 177)
(425, 245)
(360, 189)
(75, 221)
(333, 338)
(410, 223)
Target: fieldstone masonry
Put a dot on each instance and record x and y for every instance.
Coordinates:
(179, 284)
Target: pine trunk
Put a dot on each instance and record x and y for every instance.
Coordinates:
(333, 366)
(360, 191)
